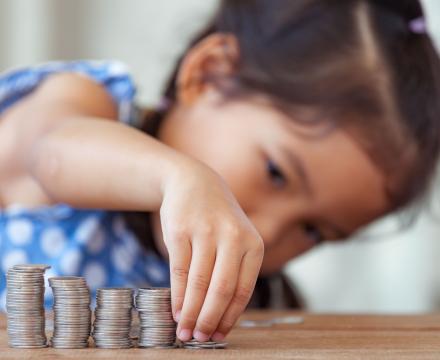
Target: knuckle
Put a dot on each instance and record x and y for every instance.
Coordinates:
(179, 273)
(242, 295)
(235, 246)
(188, 320)
(257, 249)
(178, 235)
(206, 325)
(226, 325)
(177, 301)
(233, 230)
(224, 289)
(199, 282)
(207, 230)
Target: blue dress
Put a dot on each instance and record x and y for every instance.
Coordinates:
(95, 244)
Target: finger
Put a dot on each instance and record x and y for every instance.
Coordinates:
(180, 258)
(249, 269)
(220, 292)
(199, 277)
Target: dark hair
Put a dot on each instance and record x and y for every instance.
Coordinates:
(356, 63)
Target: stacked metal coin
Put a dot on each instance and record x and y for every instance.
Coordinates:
(157, 326)
(72, 315)
(25, 306)
(112, 326)
(194, 344)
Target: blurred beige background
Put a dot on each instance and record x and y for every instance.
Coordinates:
(399, 272)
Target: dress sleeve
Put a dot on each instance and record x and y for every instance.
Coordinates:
(114, 76)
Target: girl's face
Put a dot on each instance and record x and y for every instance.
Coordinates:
(297, 190)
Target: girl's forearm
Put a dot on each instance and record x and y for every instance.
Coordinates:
(93, 163)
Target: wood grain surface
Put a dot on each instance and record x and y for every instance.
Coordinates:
(318, 337)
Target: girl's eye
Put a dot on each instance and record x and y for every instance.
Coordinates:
(275, 174)
(313, 233)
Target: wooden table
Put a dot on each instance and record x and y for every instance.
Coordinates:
(318, 337)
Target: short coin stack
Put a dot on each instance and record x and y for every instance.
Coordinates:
(25, 306)
(72, 315)
(194, 344)
(157, 326)
(113, 313)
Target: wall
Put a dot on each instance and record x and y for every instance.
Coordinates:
(396, 273)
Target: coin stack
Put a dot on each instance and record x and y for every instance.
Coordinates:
(25, 306)
(157, 326)
(72, 315)
(194, 344)
(112, 326)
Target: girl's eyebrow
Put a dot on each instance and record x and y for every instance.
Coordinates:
(298, 165)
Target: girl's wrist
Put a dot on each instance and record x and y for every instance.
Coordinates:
(176, 169)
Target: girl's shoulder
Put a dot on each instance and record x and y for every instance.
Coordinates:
(113, 76)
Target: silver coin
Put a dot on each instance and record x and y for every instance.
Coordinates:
(31, 267)
(157, 346)
(113, 317)
(205, 346)
(69, 345)
(195, 344)
(27, 346)
(25, 306)
(156, 323)
(72, 314)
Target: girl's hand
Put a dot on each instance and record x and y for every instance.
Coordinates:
(214, 250)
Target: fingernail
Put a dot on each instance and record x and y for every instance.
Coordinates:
(199, 336)
(185, 335)
(177, 316)
(218, 336)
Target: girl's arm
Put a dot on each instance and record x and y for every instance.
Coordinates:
(68, 143)
(64, 141)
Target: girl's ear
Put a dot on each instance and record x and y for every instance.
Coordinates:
(215, 56)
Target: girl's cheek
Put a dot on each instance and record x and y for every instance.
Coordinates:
(281, 251)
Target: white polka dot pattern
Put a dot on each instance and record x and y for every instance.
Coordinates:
(19, 231)
(3, 300)
(53, 242)
(155, 274)
(70, 262)
(13, 258)
(96, 242)
(122, 259)
(95, 275)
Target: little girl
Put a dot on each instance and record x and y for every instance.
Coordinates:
(287, 123)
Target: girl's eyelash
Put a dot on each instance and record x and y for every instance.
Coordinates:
(275, 173)
(313, 233)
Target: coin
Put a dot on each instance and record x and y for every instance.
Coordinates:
(31, 267)
(113, 315)
(72, 314)
(25, 306)
(194, 344)
(157, 326)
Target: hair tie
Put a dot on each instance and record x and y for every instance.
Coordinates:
(164, 104)
(418, 25)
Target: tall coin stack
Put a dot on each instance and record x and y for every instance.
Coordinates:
(25, 306)
(157, 326)
(72, 314)
(113, 313)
